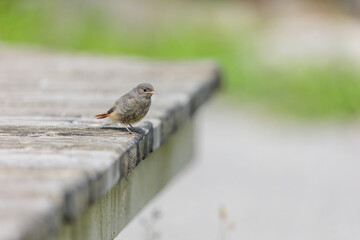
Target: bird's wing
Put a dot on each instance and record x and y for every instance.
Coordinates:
(126, 103)
(111, 110)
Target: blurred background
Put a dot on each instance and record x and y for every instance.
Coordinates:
(278, 150)
(291, 57)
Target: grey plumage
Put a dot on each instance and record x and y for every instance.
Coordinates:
(131, 107)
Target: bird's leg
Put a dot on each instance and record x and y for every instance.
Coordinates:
(126, 127)
(132, 127)
(134, 130)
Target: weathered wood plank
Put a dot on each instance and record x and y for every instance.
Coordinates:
(56, 157)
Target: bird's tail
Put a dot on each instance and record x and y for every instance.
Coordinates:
(101, 116)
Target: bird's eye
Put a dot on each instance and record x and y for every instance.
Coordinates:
(144, 90)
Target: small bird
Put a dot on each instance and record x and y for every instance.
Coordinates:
(131, 107)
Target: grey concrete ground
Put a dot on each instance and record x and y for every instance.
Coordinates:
(277, 180)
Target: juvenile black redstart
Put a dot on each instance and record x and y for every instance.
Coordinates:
(131, 107)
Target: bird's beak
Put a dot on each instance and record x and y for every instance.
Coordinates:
(153, 92)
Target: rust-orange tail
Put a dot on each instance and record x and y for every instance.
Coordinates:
(101, 116)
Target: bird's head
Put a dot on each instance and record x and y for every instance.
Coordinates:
(145, 90)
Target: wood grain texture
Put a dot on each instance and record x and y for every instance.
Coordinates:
(56, 160)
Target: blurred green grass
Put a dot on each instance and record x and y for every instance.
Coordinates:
(303, 90)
